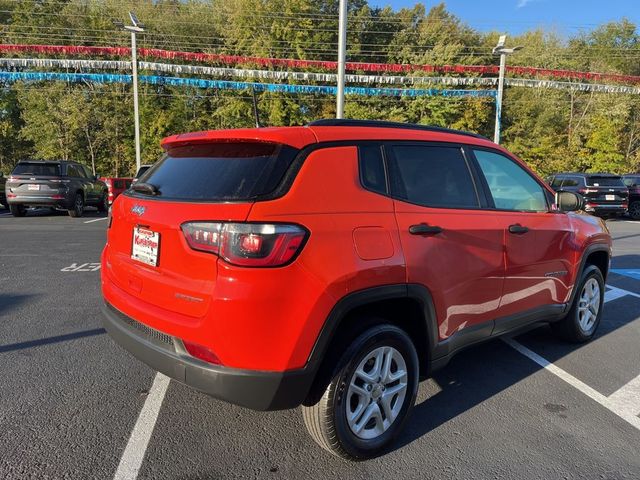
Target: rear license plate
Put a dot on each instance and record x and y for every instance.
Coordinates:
(609, 197)
(146, 245)
(32, 186)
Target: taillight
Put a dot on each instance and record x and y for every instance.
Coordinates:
(203, 236)
(201, 352)
(247, 244)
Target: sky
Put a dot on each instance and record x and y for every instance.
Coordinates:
(515, 16)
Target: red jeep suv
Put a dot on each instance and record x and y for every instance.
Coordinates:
(335, 265)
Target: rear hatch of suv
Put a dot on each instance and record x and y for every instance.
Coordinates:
(36, 179)
(163, 233)
(605, 191)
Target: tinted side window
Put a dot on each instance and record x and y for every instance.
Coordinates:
(570, 182)
(557, 182)
(86, 171)
(372, 168)
(512, 188)
(118, 184)
(72, 171)
(432, 176)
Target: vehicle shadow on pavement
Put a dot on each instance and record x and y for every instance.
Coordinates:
(483, 371)
(467, 381)
(50, 340)
(12, 302)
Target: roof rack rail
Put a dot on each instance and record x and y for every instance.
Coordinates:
(347, 122)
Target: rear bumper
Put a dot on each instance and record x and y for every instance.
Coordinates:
(601, 208)
(253, 389)
(40, 200)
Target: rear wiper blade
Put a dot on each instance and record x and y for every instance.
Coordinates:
(145, 188)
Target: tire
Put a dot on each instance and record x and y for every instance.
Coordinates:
(103, 205)
(582, 321)
(78, 206)
(348, 392)
(634, 210)
(17, 210)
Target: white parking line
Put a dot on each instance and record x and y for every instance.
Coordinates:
(96, 220)
(628, 397)
(136, 448)
(624, 402)
(616, 292)
(621, 409)
(613, 294)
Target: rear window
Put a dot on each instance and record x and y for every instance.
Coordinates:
(45, 169)
(220, 171)
(605, 182)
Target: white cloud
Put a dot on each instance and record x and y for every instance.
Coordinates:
(523, 3)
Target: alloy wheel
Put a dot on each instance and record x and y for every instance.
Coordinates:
(376, 392)
(589, 305)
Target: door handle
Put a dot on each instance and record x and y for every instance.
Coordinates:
(518, 229)
(424, 229)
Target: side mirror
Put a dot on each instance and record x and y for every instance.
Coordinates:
(569, 201)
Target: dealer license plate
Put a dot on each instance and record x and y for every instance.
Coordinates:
(146, 245)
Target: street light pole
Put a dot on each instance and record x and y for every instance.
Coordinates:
(136, 113)
(501, 50)
(342, 55)
(135, 28)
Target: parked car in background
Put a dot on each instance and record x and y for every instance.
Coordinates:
(337, 264)
(604, 194)
(632, 181)
(116, 185)
(3, 197)
(66, 185)
(141, 171)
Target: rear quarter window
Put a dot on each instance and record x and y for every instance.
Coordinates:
(220, 171)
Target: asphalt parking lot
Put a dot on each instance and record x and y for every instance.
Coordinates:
(74, 405)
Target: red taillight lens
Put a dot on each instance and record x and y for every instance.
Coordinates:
(201, 352)
(247, 244)
(203, 236)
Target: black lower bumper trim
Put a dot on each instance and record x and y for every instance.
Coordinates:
(253, 389)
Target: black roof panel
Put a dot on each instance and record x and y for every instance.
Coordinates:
(347, 122)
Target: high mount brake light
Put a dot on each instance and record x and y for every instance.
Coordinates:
(246, 244)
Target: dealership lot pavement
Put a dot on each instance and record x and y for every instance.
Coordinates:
(71, 400)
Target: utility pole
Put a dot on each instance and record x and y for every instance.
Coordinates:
(135, 28)
(501, 50)
(342, 54)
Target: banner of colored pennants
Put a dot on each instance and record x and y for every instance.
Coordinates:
(20, 63)
(233, 85)
(313, 64)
